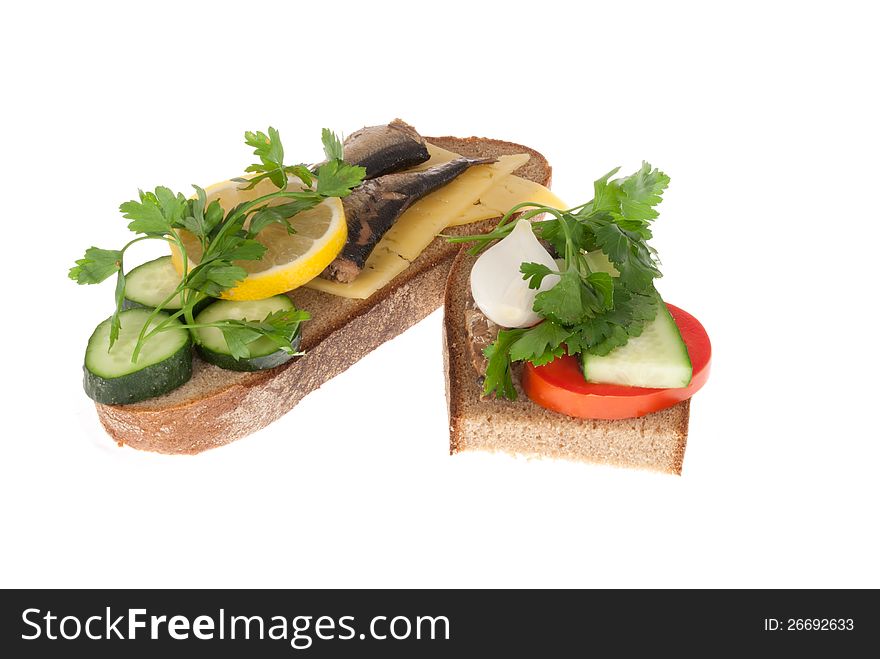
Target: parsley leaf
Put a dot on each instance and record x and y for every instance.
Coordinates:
(336, 178)
(214, 277)
(540, 344)
(280, 327)
(570, 301)
(269, 150)
(641, 192)
(535, 273)
(603, 285)
(237, 336)
(96, 266)
(243, 249)
(564, 232)
(605, 193)
(199, 220)
(564, 303)
(634, 197)
(627, 251)
(156, 213)
(332, 145)
(498, 379)
(268, 215)
(600, 335)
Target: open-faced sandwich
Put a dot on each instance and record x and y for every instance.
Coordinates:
(280, 280)
(557, 342)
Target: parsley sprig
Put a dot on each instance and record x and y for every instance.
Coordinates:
(605, 293)
(225, 239)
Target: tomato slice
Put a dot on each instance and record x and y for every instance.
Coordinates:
(560, 385)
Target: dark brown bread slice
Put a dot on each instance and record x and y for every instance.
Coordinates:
(217, 407)
(656, 441)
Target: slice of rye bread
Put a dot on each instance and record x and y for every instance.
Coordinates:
(655, 441)
(217, 406)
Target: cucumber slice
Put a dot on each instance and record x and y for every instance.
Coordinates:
(658, 358)
(150, 284)
(211, 344)
(164, 363)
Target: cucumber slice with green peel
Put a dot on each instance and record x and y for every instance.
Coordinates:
(656, 359)
(264, 353)
(164, 362)
(151, 283)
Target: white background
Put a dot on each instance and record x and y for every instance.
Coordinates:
(764, 115)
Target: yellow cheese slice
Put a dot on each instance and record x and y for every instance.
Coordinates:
(503, 196)
(420, 224)
(500, 198)
(426, 218)
(438, 156)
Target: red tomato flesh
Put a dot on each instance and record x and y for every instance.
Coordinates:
(560, 385)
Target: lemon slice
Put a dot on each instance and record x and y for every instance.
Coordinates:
(290, 259)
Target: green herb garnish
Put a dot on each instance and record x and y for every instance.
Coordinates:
(589, 309)
(225, 238)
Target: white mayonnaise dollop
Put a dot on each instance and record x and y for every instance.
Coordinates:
(497, 284)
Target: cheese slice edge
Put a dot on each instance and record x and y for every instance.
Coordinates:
(425, 219)
(505, 195)
(419, 225)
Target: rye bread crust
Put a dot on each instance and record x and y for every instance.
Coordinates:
(656, 441)
(217, 407)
